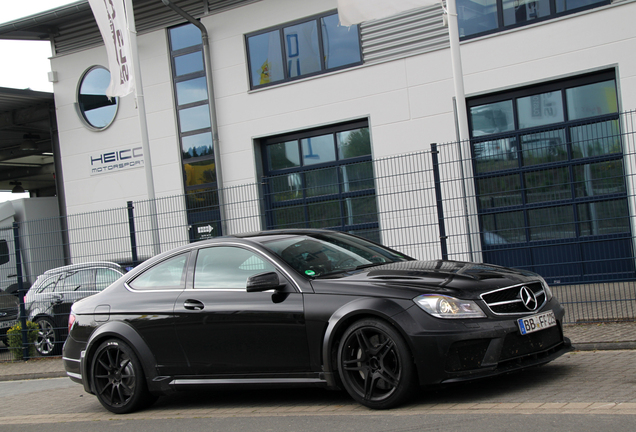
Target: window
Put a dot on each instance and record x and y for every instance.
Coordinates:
(105, 277)
(549, 173)
(478, 17)
(81, 280)
(168, 274)
(96, 109)
(301, 49)
(228, 267)
(322, 178)
(195, 128)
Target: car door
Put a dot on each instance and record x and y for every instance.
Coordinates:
(225, 330)
(149, 309)
(71, 287)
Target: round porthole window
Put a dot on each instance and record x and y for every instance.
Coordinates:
(95, 108)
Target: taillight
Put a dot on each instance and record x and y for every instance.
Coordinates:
(71, 321)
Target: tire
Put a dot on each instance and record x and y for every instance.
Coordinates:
(375, 364)
(48, 342)
(117, 378)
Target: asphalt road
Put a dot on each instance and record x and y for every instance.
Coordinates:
(591, 390)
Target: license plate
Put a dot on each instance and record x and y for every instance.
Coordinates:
(536, 322)
(7, 324)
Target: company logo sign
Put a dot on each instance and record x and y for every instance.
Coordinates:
(115, 161)
(528, 298)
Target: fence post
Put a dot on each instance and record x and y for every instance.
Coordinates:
(439, 202)
(21, 291)
(131, 228)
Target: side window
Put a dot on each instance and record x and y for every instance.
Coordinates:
(49, 285)
(227, 267)
(83, 280)
(105, 277)
(168, 274)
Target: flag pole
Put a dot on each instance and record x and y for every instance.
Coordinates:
(143, 127)
(458, 74)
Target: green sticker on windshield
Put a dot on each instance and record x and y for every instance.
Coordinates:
(310, 273)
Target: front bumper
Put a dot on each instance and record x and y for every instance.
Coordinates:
(459, 350)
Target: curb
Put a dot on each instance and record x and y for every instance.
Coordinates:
(32, 376)
(603, 346)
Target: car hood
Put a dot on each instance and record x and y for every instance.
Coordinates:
(411, 278)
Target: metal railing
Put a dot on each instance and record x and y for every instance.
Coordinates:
(426, 204)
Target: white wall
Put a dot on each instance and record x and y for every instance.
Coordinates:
(407, 101)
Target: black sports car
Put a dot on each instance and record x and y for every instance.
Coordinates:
(306, 307)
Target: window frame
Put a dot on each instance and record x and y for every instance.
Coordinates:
(552, 15)
(281, 30)
(303, 202)
(515, 176)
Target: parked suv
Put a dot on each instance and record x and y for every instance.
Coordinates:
(48, 302)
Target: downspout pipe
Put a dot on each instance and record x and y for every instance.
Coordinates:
(212, 104)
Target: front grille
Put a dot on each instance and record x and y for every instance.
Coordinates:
(518, 345)
(8, 314)
(509, 301)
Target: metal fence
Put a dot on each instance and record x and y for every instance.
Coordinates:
(440, 203)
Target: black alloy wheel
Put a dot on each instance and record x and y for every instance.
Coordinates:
(118, 378)
(375, 364)
(47, 342)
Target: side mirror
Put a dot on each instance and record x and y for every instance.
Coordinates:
(263, 282)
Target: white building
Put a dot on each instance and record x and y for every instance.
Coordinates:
(301, 99)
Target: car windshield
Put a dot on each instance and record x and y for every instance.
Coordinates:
(319, 255)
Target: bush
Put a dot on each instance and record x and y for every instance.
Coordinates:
(14, 339)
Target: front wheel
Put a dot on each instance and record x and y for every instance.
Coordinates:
(118, 379)
(375, 364)
(48, 341)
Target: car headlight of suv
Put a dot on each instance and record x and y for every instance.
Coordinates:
(442, 306)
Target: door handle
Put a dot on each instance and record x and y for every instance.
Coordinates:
(193, 305)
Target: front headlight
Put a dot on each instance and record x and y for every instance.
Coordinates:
(441, 306)
(547, 290)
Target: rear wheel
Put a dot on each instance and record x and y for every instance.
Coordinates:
(48, 340)
(118, 379)
(375, 364)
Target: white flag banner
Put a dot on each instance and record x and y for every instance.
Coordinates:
(112, 20)
(356, 11)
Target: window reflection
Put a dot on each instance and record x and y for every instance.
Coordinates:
(194, 118)
(318, 149)
(194, 90)
(283, 155)
(353, 143)
(96, 108)
(492, 118)
(198, 173)
(539, 110)
(266, 58)
(592, 100)
(341, 44)
(519, 11)
(301, 49)
(184, 36)
(197, 145)
(188, 63)
(476, 16)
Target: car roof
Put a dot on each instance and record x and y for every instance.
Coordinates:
(81, 266)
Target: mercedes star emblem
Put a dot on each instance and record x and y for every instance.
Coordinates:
(528, 298)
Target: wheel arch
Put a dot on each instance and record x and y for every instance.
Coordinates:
(127, 334)
(341, 319)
